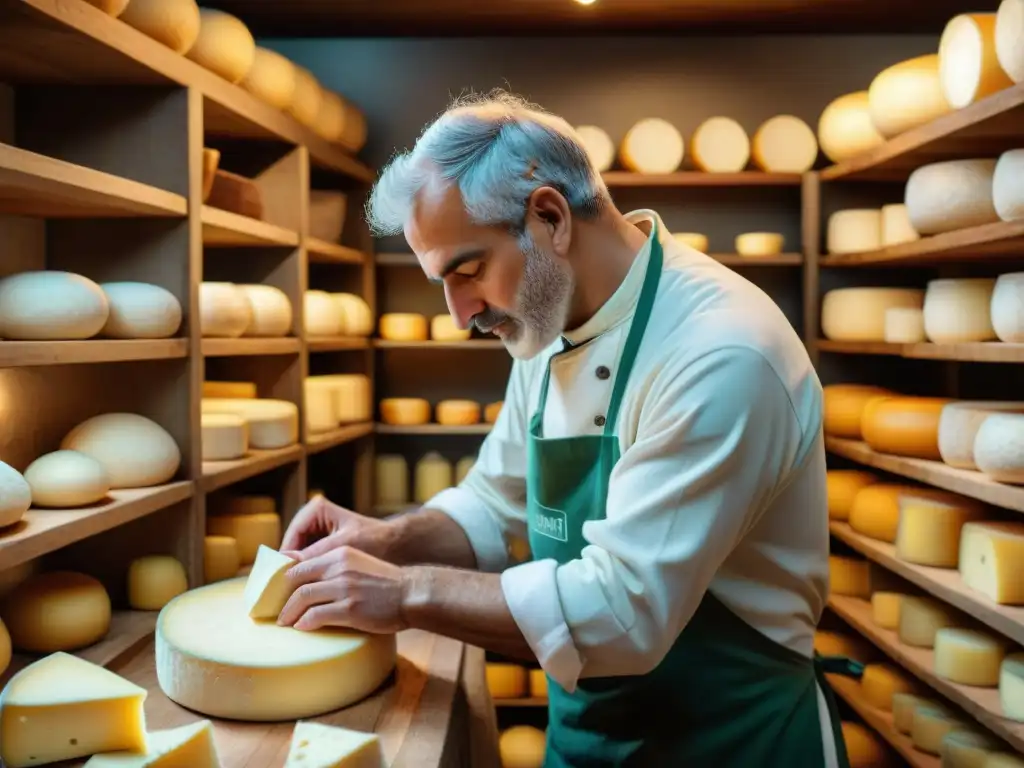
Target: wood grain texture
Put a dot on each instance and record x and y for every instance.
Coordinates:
(999, 240)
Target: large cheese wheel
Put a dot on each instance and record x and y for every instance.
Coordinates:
(858, 314)
(330, 120)
(906, 95)
(305, 103)
(854, 230)
(434, 473)
(64, 479)
(844, 405)
(696, 240)
(845, 128)
(403, 326)
(652, 145)
(136, 451)
(598, 145)
(904, 325)
(921, 617)
(225, 436)
(453, 413)
(404, 411)
(842, 486)
(50, 305)
(224, 45)
(263, 672)
(999, 447)
(271, 78)
(784, 144)
(949, 195)
(720, 145)
(224, 310)
(904, 426)
(1008, 185)
(356, 317)
(1007, 309)
(321, 314)
(1010, 38)
(271, 423)
(271, 310)
(522, 746)
(969, 656)
(175, 23)
(759, 244)
(968, 66)
(864, 748)
(15, 496)
(957, 310)
(959, 424)
(992, 560)
(140, 311)
(896, 226)
(391, 481)
(929, 530)
(56, 611)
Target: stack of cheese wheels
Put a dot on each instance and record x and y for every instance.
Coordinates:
(444, 328)
(67, 479)
(1010, 38)
(224, 45)
(904, 325)
(844, 407)
(224, 310)
(135, 451)
(225, 436)
(250, 521)
(264, 672)
(322, 315)
(391, 479)
(906, 95)
(959, 423)
(759, 244)
(997, 448)
(1008, 185)
(271, 78)
(904, 426)
(949, 195)
(434, 473)
(321, 405)
(175, 23)
(1007, 310)
(896, 225)
(968, 66)
(957, 310)
(598, 146)
(271, 423)
(51, 305)
(842, 486)
(858, 314)
(720, 145)
(56, 611)
(854, 230)
(457, 413)
(221, 559)
(271, 310)
(403, 326)
(356, 317)
(353, 401)
(140, 311)
(653, 145)
(784, 144)
(405, 411)
(696, 240)
(305, 102)
(845, 128)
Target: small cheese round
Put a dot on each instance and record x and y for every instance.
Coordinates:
(950, 195)
(224, 45)
(175, 23)
(1007, 309)
(842, 486)
(904, 325)
(224, 436)
(598, 145)
(968, 66)
(391, 479)
(51, 305)
(15, 496)
(854, 230)
(249, 531)
(271, 78)
(154, 580)
(959, 424)
(492, 411)
(522, 746)
(896, 226)
(880, 681)
(505, 681)
(224, 310)
(305, 102)
(271, 310)
(135, 450)
(784, 144)
(444, 328)
(929, 531)
(321, 314)
(404, 411)
(220, 558)
(720, 145)
(65, 479)
(403, 326)
(330, 120)
(968, 656)
(904, 426)
(906, 95)
(1008, 185)
(858, 314)
(696, 240)
(885, 609)
(931, 723)
(1009, 36)
(759, 244)
(433, 474)
(5, 648)
(999, 447)
(140, 311)
(652, 145)
(57, 611)
(320, 405)
(272, 423)
(357, 319)
(956, 310)
(845, 129)
(452, 413)
(462, 468)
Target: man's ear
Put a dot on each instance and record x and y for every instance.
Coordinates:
(549, 219)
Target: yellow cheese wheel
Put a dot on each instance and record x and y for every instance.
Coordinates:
(968, 63)
(452, 413)
(220, 558)
(250, 531)
(234, 390)
(842, 486)
(858, 314)
(330, 120)
(434, 473)
(992, 560)
(875, 511)
(759, 244)
(522, 746)
(404, 411)
(969, 656)
(885, 609)
(357, 319)
(305, 102)
(506, 681)
(864, 748)
(903, 706)
(493, 411)
(444, 328)
(271, 78)
(929, 530)
(652, 145)
(5, 648)
(844, 405)
(720, 145)
(538, 684)
(880, 681)
(784, 144)
(906, 95)
(904, 426)
(845, 129)
(175, 23)
(154, 580)
(224, 45)
(696, 240)
(392, 479)
(56, 611)
(921, 617)
(852, 646)
(849, 576)
(598, 145)
(403, 326)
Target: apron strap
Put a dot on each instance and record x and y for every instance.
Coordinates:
(838, 665)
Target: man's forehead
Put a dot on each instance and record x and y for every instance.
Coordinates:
(440, 230)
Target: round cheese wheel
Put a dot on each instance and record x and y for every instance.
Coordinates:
(249, 531)
(51, 305)
(404, 411)
(320, 406)
(759, 244)
(434, 473)
(271, 78)
(880, 681)
(175, 23)
(64, 479)
(492, 411)
(462, 468)
(224, 45)
(264, 672)
(140, 311)
(56, 611)
(356, 317)
(271, 310)
(230, 389)
(403, 326)
(968, 66)
(928, 531)
(111, 7)
(845, 128)
(224, 310)
(833, 644)
(849, 576)
(444, 328)
(1008, 185)
(271, 423)
(904, 325)
(1010, 38)
(959, 424)
(136, 451)
(854, 230)
(904, 426)
(220, 558)
(844, 406)
(956, 310)
(864, 748)
(877, 508)
(322, 315)
(392, 479)
(652, 145)
(858, 314)
(720, 145)
(695, 240)
(968, 656)
(930, 724)
(225, 436)
(1007, 308)
(903, 706)
(154, 580)
(5, 648)
(330, 120)
(538, 684)
(15, 496)
(452, 413)
(953, 194)
(305, 103)
(999, 447)
(354, 397)
(896, 226)
(842, 486)
(353, 136)
(505, 681)
(784, 144)
(522, 746)
(906, 95)
(598, 146)
(885, 611)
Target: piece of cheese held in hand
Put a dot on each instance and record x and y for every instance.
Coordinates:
(62, 707)
(324, 746)
(189, 746)
(268, 588)
(992, 560)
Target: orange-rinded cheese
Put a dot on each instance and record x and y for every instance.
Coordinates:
(852, 646)
(492, 411)
(864, 748)
(929, 530)
(885, 609)
(843, 485)
(875, 511)
(844, 405)
(904, 426)
(452, 413)
(849, 576)
(506, 681)
(880, 681)
(405, 411)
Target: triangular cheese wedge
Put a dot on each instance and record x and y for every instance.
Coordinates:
(63, 707)
(267, 589)
(325, 746)
(190, 745)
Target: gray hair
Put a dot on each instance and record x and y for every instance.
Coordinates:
(498, 148)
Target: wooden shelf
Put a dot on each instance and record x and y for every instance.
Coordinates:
(220, 474)
(336, 343)
(980, 703)
(859, 347)
(226, 229)
(42, 531)
(321, 441)
(528, 702)
(34, 353)
(246, 347)
(323, 252)
(701, 179)
(962, 481)
(943, 583)
(494, 344)
(977, 352)
(779, 260)
(432, 429)
(36, 185)
(983, 129)
(1000, 240)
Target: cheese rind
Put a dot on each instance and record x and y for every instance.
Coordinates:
(880, 681)
(321, 314)
(220, 558)
(65, 479)
(406, 411)
(896, 226)
(392, 479)
(885, 609)
(268, 588)
(271, 311)
(444, 328)
(224, 436)
(154, 580)
(992, 560)
(956, 310)
(904, 325)
(652, 145)
(784, 144)
(57, 611)
(875, 510)
(224, 310)
(271, 423)
(851, 646)
(1011, 686)
(457, 412)
(506, 681)
(140, 311)
(850, 577)
(720, 145)
(188, 746)
(959, 424)
(906, 95)
(696, 240)
(403, 326)
(858, 314)
(49, 305)
(357, 320)
(929, 531)
(842, 487)
(854, 230)
(323, 746)
(949, 195)
(904, 426)
(598, 145)
(998, 447)
(844, 405)
(135, 451)
(921, 618)
(759, 244)
(1008, 183)
(968, 656)
(845, 129)
(175, 23)
(968, 66)
(864, 748)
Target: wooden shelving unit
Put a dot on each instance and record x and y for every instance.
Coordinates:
(700, 179)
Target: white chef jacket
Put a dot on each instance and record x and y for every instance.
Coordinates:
(720, 485)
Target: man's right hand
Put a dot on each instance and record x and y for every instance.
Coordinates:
(321, 526)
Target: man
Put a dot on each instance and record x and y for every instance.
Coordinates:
(660, 446)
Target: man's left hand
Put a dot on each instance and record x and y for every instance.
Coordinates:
(345, 588)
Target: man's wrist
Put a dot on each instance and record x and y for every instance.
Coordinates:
(416, 594)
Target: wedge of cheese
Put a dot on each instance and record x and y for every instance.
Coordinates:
(267, 589)
(324, 746)
(190, 745)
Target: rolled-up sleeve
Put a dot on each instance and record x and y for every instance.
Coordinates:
(716, 439)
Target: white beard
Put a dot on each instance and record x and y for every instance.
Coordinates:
(542, 302)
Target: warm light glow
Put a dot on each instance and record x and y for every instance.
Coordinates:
(585, 2)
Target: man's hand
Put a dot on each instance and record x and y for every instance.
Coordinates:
(321, 526)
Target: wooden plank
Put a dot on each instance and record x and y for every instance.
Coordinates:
(493, 344)
(999, 240)
(323, 252)
(220, 474)
(287, 345)
(17, 354)
(700, 179)
(336, 343)
(978, 352)
(859, 347)
(432, 429)
(321, 441)
(778, 260)
(225, 229)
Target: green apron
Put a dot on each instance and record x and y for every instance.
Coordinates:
(725, 695)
